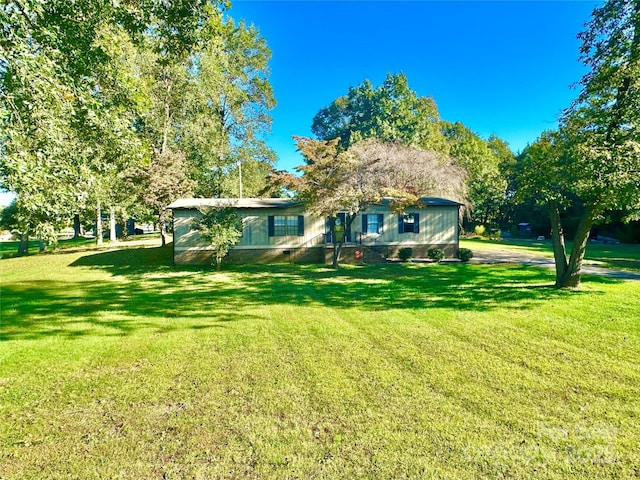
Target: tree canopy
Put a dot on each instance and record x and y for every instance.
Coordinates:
(482, 160)
(593, 161)
(95, 92)
(69, 101)
(391, 112)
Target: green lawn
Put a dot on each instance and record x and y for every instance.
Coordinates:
(616, 257)
(113, 364)
(10, 249)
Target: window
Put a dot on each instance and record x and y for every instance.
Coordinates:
(279, 226)
(283, 225)
(409, 223)
(372, 223)
(292, 225)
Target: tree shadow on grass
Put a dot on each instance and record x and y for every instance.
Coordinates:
(144, 291)
(113, 308)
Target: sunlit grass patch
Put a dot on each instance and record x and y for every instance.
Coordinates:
(118, 365)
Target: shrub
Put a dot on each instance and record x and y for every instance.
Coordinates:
(479, 230)
(221, 227)
(405, 253)
(435, 254)
(465, 254)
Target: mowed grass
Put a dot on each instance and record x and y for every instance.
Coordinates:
(9, 249)
(613, 256)
(114, 364)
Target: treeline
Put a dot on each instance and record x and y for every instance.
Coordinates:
(124, 106)
(504, 188)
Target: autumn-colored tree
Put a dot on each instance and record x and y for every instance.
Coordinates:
(337, 181)
(164, 181)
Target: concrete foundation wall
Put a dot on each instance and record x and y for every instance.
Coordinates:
(361, 254)
(259, 255)
(352, 254)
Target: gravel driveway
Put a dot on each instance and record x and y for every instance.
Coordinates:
(505, 256)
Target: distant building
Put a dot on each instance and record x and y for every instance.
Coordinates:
(524, 229)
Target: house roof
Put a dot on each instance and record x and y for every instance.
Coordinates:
(428, 201)
(190, 203)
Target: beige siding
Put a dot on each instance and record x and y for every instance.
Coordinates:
(255, 230)
(438, 225)
(184, 235)
(441, 225)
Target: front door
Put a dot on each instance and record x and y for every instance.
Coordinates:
(343, 221)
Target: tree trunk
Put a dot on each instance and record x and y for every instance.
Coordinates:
(337, 250)
(112, 225)
(98, 224)
(23, 244)
(337, 246)
(240, 177)
(77, 227)
(557, 235)
(167, 122)
(571, 277)
(163, 228)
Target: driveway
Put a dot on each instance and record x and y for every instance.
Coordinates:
(506, 256)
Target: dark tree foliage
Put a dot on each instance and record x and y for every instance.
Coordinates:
(593, 161)
(391, 112)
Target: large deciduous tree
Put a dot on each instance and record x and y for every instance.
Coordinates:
(337, 181)
(391, 112)
(211, 104)
(69, 100)
(231, 103)
(96, 91)
(594, 159)
(394, 113)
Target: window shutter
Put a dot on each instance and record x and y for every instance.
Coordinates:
(380, 222)
(416, 223)
(271, 225)
(364, 223)
(301, 225)
(400, 223)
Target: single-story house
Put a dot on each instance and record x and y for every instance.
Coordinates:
(281, 230)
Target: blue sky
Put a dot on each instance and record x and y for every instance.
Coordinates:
(502, 67)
